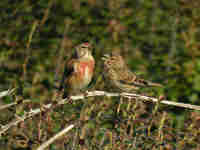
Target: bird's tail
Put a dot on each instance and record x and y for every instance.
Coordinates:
(145, 83)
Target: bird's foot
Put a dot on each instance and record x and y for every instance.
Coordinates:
(86, 93)
(70, 100)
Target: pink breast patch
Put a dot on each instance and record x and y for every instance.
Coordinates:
(84, 65)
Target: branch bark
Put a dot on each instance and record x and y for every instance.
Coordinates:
(132, 96)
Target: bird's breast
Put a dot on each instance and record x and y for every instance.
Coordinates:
(86, 71)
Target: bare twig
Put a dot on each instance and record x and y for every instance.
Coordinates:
(7, 105)
(152, 99)
(13, 104)
(6, 93)
(60, 58)
(130, 96)
(51, 140)
(46, 12)
(18, 119)
(60, 52)
(33, 29)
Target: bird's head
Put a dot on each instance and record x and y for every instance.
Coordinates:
(83, 50)
(114, 60)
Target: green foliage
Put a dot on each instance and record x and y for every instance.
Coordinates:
(158, 39)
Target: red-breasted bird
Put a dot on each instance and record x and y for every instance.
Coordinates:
(78, 70)
(120, 76)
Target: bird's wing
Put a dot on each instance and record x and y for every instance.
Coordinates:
(140, 82)
(68, 71)
(125, 87)
(129, 77)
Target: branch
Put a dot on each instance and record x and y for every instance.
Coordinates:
(167, 102)
(6, 93)
(51, 140)
(28, 50)
(133, 96)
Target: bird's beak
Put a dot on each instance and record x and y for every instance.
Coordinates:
(105, 57)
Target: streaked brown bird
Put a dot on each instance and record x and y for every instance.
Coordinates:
(78, 70)
(120, 76)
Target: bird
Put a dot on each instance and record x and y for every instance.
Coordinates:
(78, 70)
(117, 72)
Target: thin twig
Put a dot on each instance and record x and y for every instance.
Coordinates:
(131, 96)
(55, 137)
(6, 93)
(61, 50)
(59, 65)
(167, 102)
(13, 104)
(27, 55)
(7, 105)
(46, 12)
